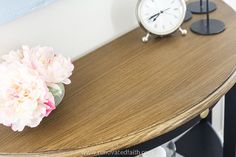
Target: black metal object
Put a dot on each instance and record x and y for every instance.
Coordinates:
(201, 141)
(200, 7)
(230, 124)
(209, 117)
(208, 26)
(188, 16)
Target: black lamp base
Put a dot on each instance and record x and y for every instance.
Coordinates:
(195, 7)
(188, 16)
(211, 27)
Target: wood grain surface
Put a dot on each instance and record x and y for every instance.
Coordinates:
(127, 92)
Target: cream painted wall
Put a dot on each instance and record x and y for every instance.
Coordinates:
(72, 27)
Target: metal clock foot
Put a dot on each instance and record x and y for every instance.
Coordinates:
(146, 38)
(183, 31)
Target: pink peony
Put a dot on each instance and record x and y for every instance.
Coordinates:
(29, 73)
(51, 67)
(24, 96)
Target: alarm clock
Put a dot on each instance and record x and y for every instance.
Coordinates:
(161, 17)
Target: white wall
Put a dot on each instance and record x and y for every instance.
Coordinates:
(231, 3)
(72, 27)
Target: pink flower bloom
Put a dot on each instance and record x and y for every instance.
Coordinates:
(49, 107)
(51, 67)
(29, 73)
(24, 96)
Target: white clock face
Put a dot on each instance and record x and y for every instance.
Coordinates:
(161, 17)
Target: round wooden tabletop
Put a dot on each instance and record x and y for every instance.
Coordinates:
(128, 92)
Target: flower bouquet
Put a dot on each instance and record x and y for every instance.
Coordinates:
(31, 85)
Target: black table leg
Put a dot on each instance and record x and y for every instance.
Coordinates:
(230, 124)
(209, 117)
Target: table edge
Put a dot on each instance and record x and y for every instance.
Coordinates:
(145, 134)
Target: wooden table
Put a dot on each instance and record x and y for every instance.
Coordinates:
(127, 94)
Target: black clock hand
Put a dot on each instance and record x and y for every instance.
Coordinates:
(154, 15)
(165, 10)
(157, 15)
